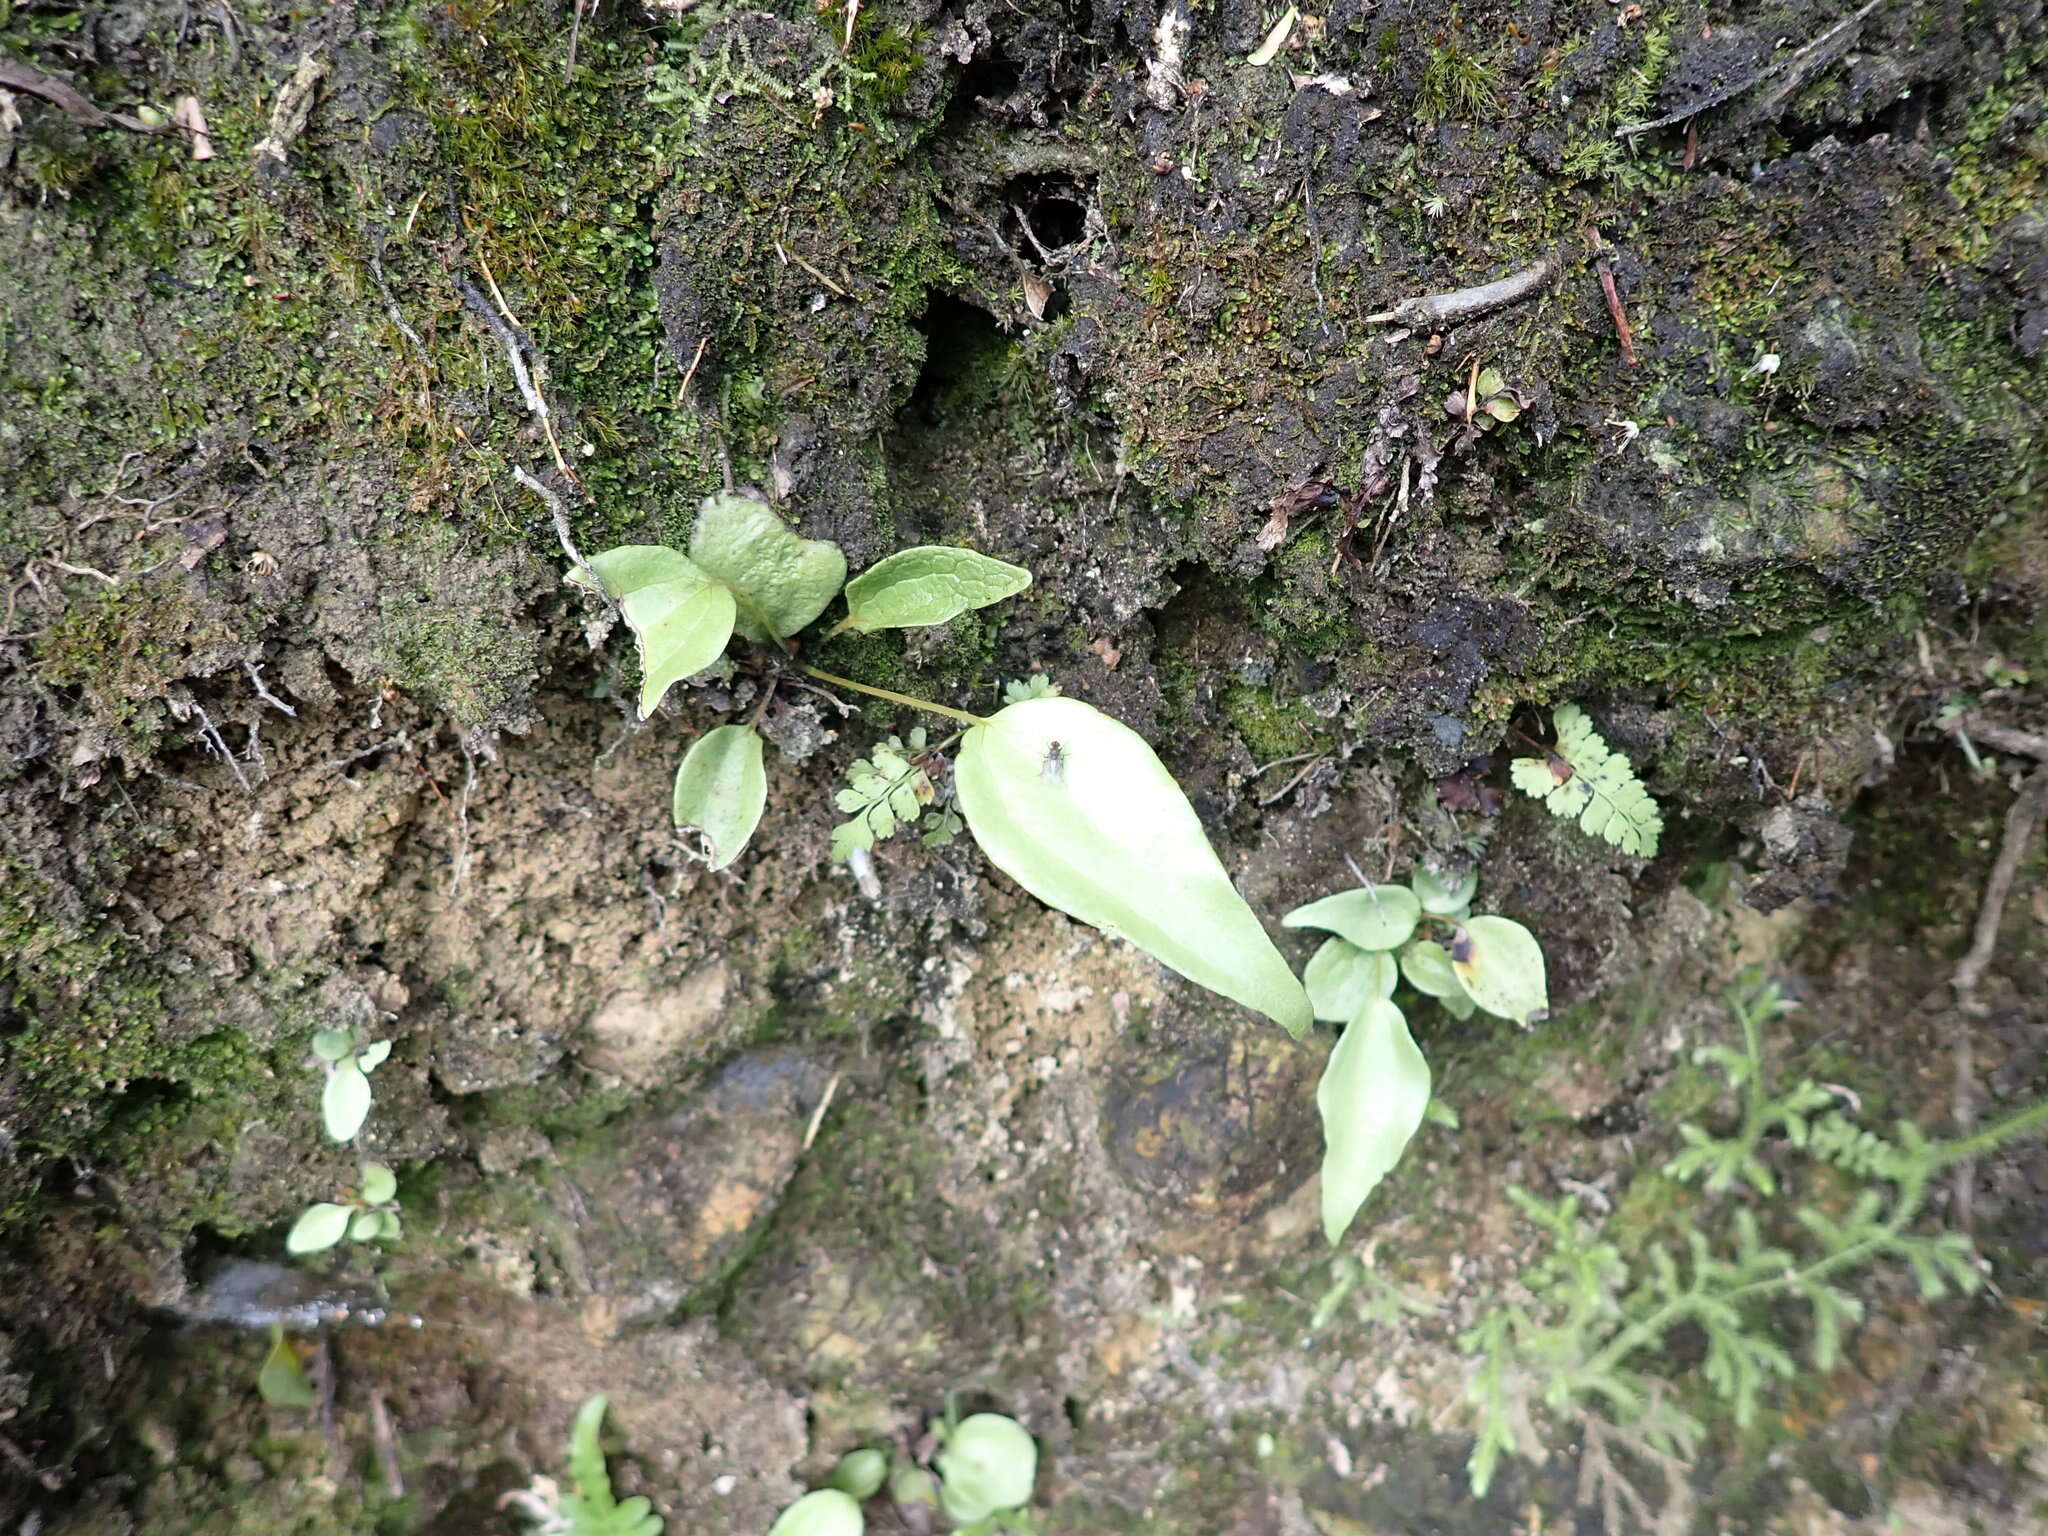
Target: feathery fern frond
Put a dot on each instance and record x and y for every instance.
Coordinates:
(1585, 778)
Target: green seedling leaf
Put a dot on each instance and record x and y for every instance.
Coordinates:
(910, 1485)
(1037, 686)
(372, 1056)
(388, 1228)
(633, 566)
(345, 1101)
(682, 627)
(1276, 39)
(1372, 917)
(332, 1044)
(1427, 965)
(379, 1183)
(1443, 895)
(365, 1226)
(282, 1382)
(788, 578)
(1583, 777)
(860, 1474)
(318, 1228)
(928, 585)
(1500, 965)
(1341, 979)
(721, 790)
(1099, 829)
(592, 1510)
(1372, 1097)
(828, 1512)
(989, 1464)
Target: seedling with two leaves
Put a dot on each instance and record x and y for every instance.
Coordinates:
(345, 1101)
(370, 1215)
(1375, 1090)
(981, 1477)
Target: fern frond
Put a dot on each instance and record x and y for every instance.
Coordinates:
(591, 1510)
(1585, 778)
(885, 791)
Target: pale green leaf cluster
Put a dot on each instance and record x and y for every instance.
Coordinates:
(370, 1215)
(1019, 690)
(986, 1466)
(1374, 1092)
(885, 791)
(1580, 1338)
(1585, 778)
(590, 1509)
(1077, 808)
(345, 1099)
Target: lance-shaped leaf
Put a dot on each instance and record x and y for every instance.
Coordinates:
(1341, 979)
(1372, 1097)
(721, 789)
(1077, 809)
(928, 585)
(787, 579)
(1500, 965)
(1372, 917)
(681, 618)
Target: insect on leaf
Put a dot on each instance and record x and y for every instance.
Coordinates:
(345, 1101)
(1341, 979)
(1372, 916)
(721, 790)
(789, 579)
(928, 585)
(1372, 1097)
(1500, 965)
(1114, 842)
(1585, 778)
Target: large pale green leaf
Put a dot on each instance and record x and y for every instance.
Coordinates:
(633, 566)
(989, 1463)
(788, 578)
(721, 789)
(682, 627)
(1372, 917)
(318, 1227)
(1341, 978)
(345, 1101)
(1077, 809)
(828, 1512)
(928, 585)
(1500, 965)
(1372, 1098)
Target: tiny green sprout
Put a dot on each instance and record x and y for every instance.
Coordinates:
(860, 1474)
(589, 1509)
(368, 1216)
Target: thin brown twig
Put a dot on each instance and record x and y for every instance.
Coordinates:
(683, 390)
(1614, 309)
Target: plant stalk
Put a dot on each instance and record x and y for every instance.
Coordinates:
(895, 698)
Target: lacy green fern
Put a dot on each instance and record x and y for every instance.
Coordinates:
(1585, 778)
(887, 790)
(1579, 1344)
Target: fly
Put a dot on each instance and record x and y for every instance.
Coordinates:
(1054, 770)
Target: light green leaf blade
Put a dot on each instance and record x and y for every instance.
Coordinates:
(282, 1382)
(633, 566)
(989, 1463)
(373, 1055)
(1583, 777)
(1441, 894)
(1372, 917)
(1341, 979)
(928, 585)
(1427, 965)
(332, 1044)
(682, 627)
(828, 1512)
(586, 1453)
(388, 1226)
(788, 578)
(1500, 965)
(721, 790)
(1111, 839)
(379, 1183)
(860, 1473)
(318, 1227)
(345, 1101)
(1372, 1097)
(365, 1226)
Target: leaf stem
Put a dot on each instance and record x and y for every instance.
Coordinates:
(895, 698)
(754, 612)
(2018, 1123)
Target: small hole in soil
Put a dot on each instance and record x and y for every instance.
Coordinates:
(962, 346)
(1056, 206)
